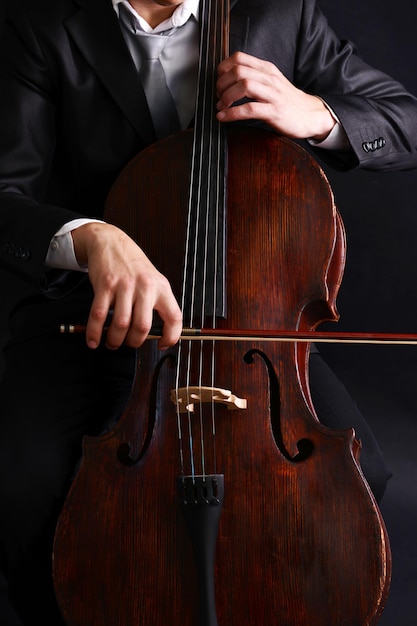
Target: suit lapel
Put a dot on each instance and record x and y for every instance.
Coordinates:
(96, 32)
(239, 28)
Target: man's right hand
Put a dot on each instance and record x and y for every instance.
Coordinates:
(125, 281)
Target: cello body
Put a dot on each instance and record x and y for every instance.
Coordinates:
(293, 535)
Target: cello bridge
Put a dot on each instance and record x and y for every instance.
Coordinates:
(185, 398)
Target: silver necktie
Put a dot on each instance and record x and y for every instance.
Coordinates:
(146, 50)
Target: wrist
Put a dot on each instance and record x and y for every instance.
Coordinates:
(325, 120)
(83, 237)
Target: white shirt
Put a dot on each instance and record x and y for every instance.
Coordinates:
(181, 15)
(61, 252)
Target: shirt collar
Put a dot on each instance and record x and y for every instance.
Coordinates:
(180, 16)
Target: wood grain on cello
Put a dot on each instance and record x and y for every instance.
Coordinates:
(207, 516)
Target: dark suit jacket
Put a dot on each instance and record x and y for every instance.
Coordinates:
(72, 114)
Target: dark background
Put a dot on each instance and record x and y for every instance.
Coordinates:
(379, 291)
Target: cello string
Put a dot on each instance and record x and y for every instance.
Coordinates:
(193, 219)
(187, 255)
(208, 195)
(215, 252)
(205, 151)
(216, 188)
(199, 137)
(208, 151)
(222, 45)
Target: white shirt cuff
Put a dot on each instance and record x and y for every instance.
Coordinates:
(61, 253)
(336, 139)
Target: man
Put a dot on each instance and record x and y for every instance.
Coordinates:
(72, 114)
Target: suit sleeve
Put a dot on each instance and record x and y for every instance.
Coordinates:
(28, 141)
(378, 115)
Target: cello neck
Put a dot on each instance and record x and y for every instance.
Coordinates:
(203, 291)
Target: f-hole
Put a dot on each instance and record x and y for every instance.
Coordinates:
(305, 446)
(124, 450)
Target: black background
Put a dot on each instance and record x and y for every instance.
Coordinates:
(379, 291)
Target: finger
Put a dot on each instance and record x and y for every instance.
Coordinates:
(233, 70)
(246, 84)
(171, 315)
(121, 318)
(169, 312)
(99, 311)
(247, 111)
(242, 59)
(140, 323)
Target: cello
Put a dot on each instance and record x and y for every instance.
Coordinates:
(219, 498)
